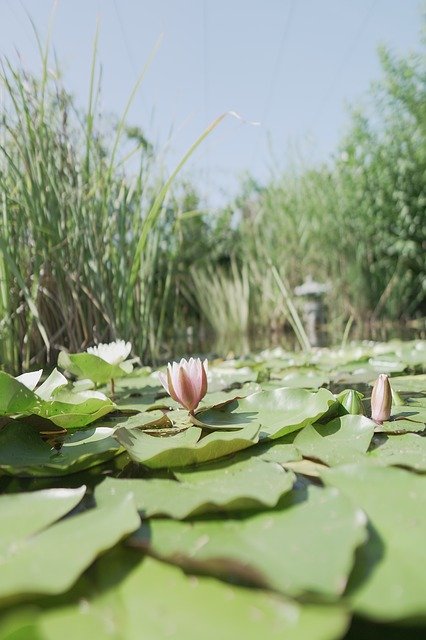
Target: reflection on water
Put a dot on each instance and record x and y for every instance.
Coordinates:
(235, 345)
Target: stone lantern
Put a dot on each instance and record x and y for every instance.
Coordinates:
(312, 294)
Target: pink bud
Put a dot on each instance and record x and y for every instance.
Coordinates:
(186, 382)
(381, 399)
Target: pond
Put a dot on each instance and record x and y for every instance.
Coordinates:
(244, 497)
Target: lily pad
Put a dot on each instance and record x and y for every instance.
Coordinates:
(303, 549)
(88, 365)
(410, 384)
(389, 581)
(281, 451)
(15, 397)
(408, 450)
(225, 375)
(153, 600)
(50, 561)
(24, 453)
(185, 448)
(343, 440)
(232, 486)
(26, 514)
(145, 420)
(279, 412)
(304, 378)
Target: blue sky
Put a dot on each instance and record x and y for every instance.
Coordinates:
(293, 65)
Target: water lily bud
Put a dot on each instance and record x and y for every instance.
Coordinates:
(381, 399)
(186, 382)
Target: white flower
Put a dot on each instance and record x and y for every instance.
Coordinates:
(114, 353)
(50, 386)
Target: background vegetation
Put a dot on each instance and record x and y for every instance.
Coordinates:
(75, 199)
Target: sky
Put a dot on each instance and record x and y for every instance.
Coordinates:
(294, 66)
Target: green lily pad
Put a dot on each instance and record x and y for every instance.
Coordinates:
(145, 420)
(144, 399)
(279, 412)
(76, 410)
(185, 448)
(359, 375)
(50, 561)
(408, 450)
(304, 549)
(411, 384)
(281, 451)
(232, 486)
(24, 453)
(343, 440)
(212, 399)
(413, 353)
(391, 363)
(400, 425)
(304, 378)
(153, 600)
(389, 581)
(223, 376)
(15, 397)
(25, 514)
(87, 365)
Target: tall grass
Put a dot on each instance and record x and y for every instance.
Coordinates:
(83, 256)
(92, 249)
(357, 222)
(223, 297)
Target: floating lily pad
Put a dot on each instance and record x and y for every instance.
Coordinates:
(400, 425)
(25, 514)
(15, 397)
(306, 548)
(408, 450)
(144, 420)
(345, 439)
(184, 448)
(147, 399)
(24, 453)
(279, 412)
(223, 486)
(223, 376)
(75, 410)
(51, 560)
(281, 451)
(304, 378)
(389, 581)
(410, 384)
(88, 365)
(153, 600)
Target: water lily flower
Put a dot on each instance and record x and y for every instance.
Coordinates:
(381, 399)
(113, 353)
(186, 382)
(50, 386)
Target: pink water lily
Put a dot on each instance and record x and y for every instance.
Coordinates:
(186, 381)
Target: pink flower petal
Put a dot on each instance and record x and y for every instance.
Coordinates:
(172, 376)
(163, 379)
(189, 396)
